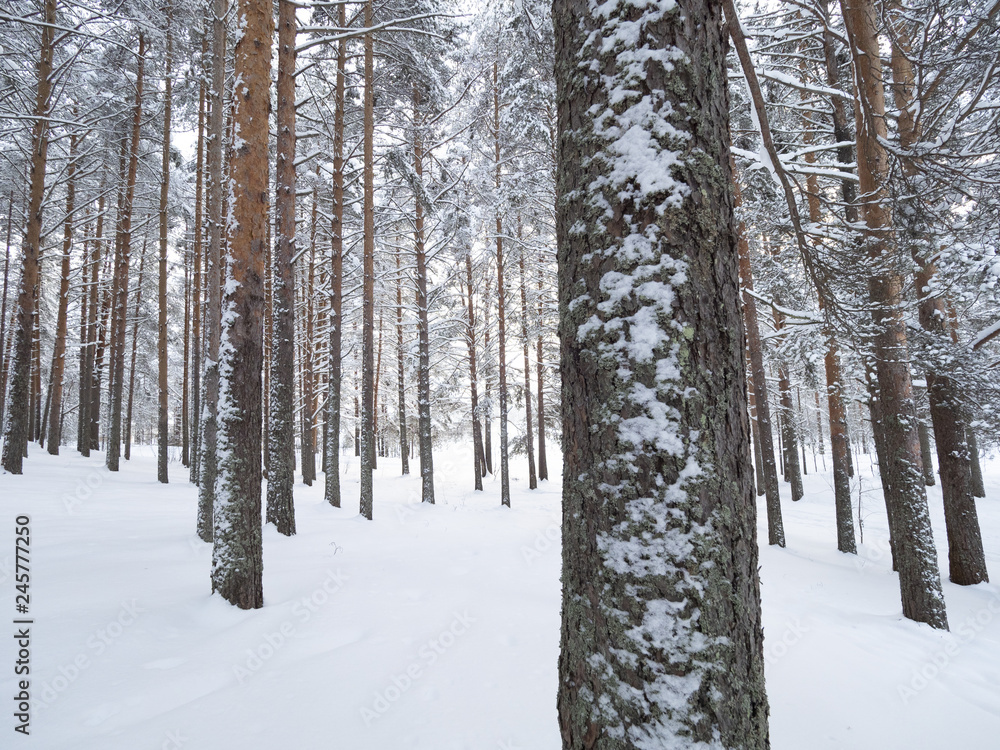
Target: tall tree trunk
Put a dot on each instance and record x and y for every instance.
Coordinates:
(479, 459)
(919, 580)
(661, 628)
(4, 358)
(135, 346)
(102, 328)
(308, 390)
(529, 436)
(161, 323)
(88, 278)
(789, 433)
(213, 267)
(58, 369)
(966, 559)
(367, 447)
(423, 335)
(197, 296)
(18, 397)
(186, 373)
(758, 381)
(120, 282)
(332, 480)
(501, 322)
(543, 464)
(404, 451)
(237, 553)
(281, 421)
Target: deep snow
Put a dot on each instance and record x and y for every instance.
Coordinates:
(436, 627)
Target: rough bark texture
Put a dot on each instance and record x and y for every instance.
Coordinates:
(423, 325)
(926, 452)
(281, 422)
(332, 480)
(919, 580)
(661, 634)
(162, 438)
(479, 460)
(196, 293)
(543, 463)
(404, 445)
(367, 442)
(237, 563)
(501, 309)
(15, 433)
(978, 489)
(213, 271)
(967, 561)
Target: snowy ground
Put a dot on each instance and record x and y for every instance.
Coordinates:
(435, 627)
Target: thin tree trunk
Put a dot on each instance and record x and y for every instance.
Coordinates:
(16, 428)
(281, 420)
(978, 489)
(423, 335)
(135, 345)
(543, 464)
(479, 459)
(120, 282)
(920, 583)
(197, 294)
(4, 358)
(332, 480)
(208, 463)
(308, 389)
(161, 324)
(501, 322)
(86, 279)
(367, 447)
(401, 381)
(237, 552)
(58, 369)
(529, 436)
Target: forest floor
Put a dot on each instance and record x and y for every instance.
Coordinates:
(437, 627)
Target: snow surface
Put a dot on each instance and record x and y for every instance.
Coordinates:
(438, 627)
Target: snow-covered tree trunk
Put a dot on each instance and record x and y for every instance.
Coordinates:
(162, 437)
(58, 369)
(479, 459)
(661, 633)
(332, 434)
(916, 557)
(501, 309)
(17, 411)
(213, 272)
(281, 422)
(237, 554)
(423, 324)
(404, 445)
(196, 294)
(529, 436)
(367, 441)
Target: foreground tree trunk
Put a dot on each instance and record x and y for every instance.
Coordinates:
(281, 421)
(237, 557)
(916, 557)
(661, 632)
(18, 397)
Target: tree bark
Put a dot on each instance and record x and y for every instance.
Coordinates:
(543, 464)
(529, 436)
(127, 426)
(920, 583)
(162, 437)
(281, 420)
(332, 479)
(58, 369)
(208, 463)
(661, 632)
(237, 553)
(197, 293)
(18, 396)
(501, 313)
(423, 330)
(404, 452)
(479, 459)
(367, 446)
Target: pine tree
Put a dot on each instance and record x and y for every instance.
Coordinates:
(661, 635)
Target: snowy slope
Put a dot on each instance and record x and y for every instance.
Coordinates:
(435, 627)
